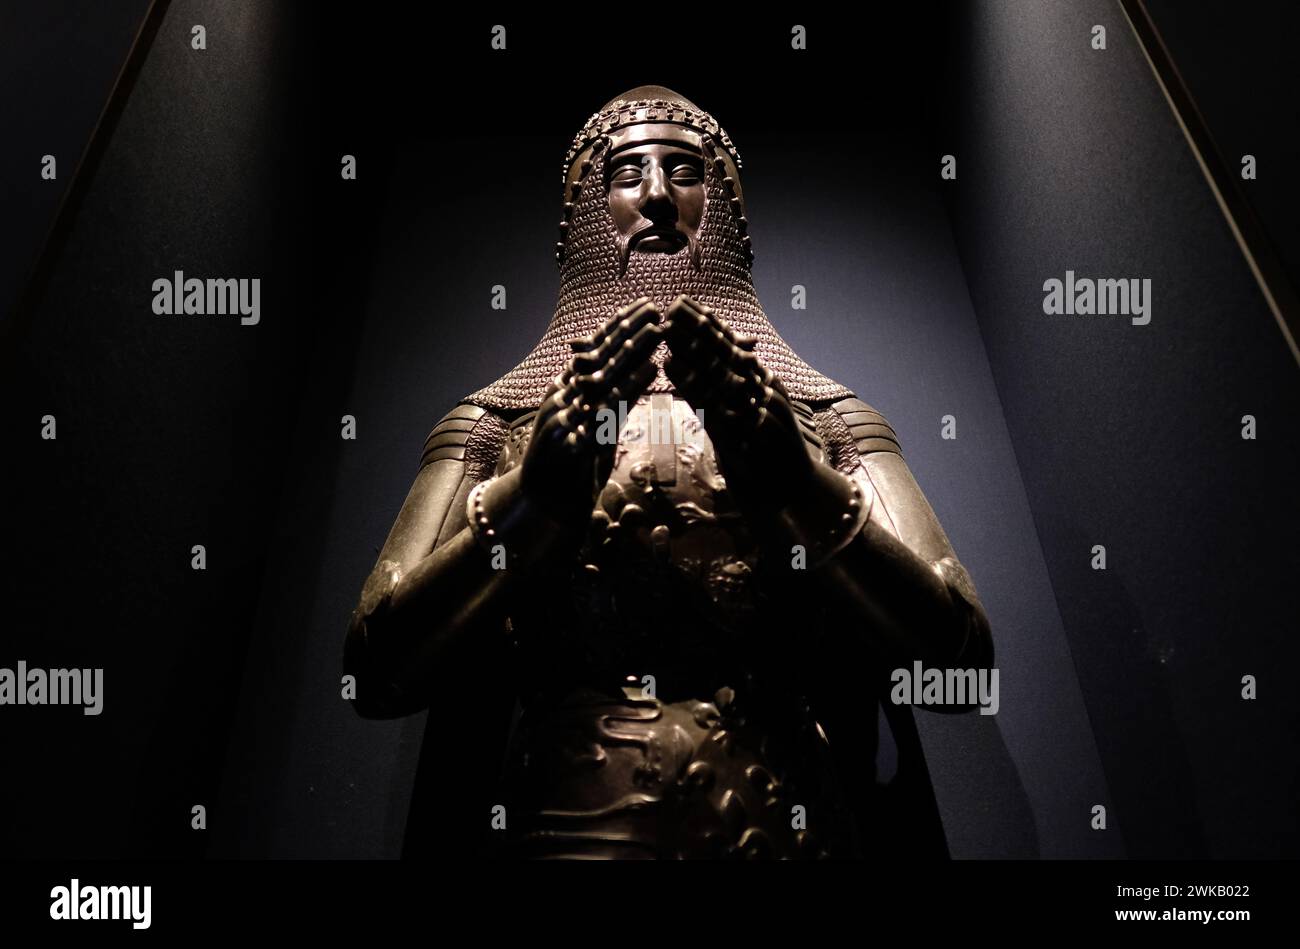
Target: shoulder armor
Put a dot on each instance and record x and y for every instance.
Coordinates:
(470, 434)
(808, 427)
(869, 429)
(450, 436)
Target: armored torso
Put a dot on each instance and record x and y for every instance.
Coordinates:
(656, 719)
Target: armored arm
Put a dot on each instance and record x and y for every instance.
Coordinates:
(464, 538)
(433, 585)
(864, 534)
(439, 593)
(888, 563)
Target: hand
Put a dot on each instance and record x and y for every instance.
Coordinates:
(566, 464)
(744, 407)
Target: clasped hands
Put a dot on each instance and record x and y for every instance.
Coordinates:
(744, 408)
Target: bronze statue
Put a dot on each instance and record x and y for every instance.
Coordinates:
(704, 556)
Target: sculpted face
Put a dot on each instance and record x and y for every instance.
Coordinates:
(655, 182)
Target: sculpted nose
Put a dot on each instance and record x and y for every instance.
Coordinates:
(656, 198)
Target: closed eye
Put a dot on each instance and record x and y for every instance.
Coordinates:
(685, 175)
(627, 175)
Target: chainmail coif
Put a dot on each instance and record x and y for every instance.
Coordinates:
(592, 290)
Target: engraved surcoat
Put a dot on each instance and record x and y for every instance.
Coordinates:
(657, 718)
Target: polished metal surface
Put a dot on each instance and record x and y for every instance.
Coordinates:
(702, 551)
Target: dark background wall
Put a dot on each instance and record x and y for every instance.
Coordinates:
(1130, 436)
(222, 686)
(170, 433)
(1236, 58)
(58, 63)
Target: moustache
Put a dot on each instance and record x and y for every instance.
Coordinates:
(649, 230)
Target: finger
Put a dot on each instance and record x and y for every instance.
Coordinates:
(627, 321)
(632, 307)
(700, 346)
(699, 334)
(556, 397)
(621, 327)
(582, 344)
(619, 399)
(621, 362)
(743, 398)
(701, 352)
(708, 344)
(703, 347)
(634, 386)
(684, 316)
(573, 428)
(694, 378)
(633, 341)
(592, 341)
(693, 314)
(698, 384)
(734, 397)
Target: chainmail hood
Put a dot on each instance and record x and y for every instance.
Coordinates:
(592, 288)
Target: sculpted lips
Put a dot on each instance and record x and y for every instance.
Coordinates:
(658, 238)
